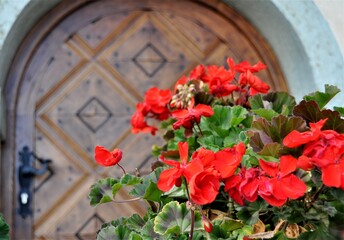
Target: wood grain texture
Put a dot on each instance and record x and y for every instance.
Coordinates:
(75, 83)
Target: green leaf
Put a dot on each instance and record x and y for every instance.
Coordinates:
(148, 231)
(281, 101)
(311, 113)
(211, 142)
(135, 236)
(147, 188)
(130, 180)
(244, 231)
(250, 213)
(126, 180)
(256, 101)
(4, 229)
(271, 149)
(175, 218)
(135, 222)
(101, 191)
(235, 136)
(153, 193)
(178, 137)
(322, 98)
(114, 233)
(340, 110)
(265, 113)
(320, 232)
(266, 132)
(222, 120)
(271, 104)
(222, 228)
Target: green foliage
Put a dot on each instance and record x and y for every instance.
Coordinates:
(147, 188)
(311, 112)
(249, 214)
(267, 136)
(101, 191)
(320, 232)
(272, 104)
(175, 218)
(322, 98)
(340, 110)
(4, 229)
(115, 233)
(218, 130)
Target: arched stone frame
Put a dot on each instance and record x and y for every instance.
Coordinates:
(303, 66)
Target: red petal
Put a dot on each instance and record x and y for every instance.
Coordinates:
(183, 148)
(292, 186)
(168, 179)
(287, 164)
(271, 168)
(331, 175)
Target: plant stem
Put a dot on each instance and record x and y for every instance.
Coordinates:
(192, 212)
(128, 200)
(122, 168)
(192, 224)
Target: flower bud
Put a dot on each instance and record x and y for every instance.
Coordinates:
(208, 226)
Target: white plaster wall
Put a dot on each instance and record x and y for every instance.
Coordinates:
(9, 10)
(332, 10)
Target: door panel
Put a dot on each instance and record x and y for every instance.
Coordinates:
(82, 83)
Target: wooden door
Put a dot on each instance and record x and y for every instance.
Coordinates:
(79, 85)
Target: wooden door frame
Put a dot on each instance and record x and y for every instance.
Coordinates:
(15, 78)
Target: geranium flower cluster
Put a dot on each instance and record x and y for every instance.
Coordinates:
(236, 159)
(217, 81)
(322, 149)
(203, 172)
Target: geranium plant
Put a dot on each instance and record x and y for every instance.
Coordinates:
(238, 162)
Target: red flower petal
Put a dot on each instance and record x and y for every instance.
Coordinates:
(331, 175)
(292, 186)
(271, 168)
(168, 178)
(106, 158)
(287, 165)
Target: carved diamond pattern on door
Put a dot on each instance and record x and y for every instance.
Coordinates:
(86, 76)
(94, 114)
(149, 60)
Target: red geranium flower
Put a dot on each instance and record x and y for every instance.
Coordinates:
(198, 73)
(204, 187)
(246, 77)
(187, 117)
(173, 176)
(158, 99)
(106, 158)
(280, 184)
(244, 185)
(296, 138)
(207, 157)
(228, 159)
(138, 120)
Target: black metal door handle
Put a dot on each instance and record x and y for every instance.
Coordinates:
(26, 173)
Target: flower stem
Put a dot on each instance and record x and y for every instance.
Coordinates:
(192, 224)
(128, 200)
(192, 212)
(122, 169)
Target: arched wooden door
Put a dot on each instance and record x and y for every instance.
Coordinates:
(77, 84)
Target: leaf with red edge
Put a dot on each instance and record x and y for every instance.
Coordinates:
(266, 132)
(311, 112)
(271, 149)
